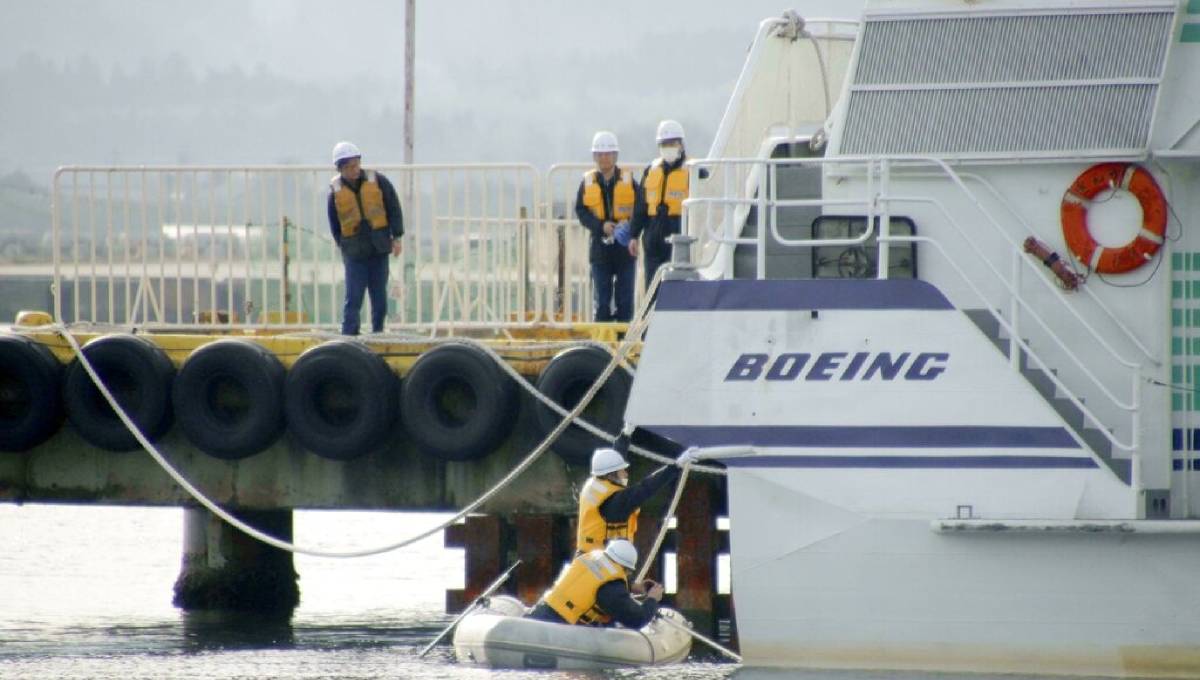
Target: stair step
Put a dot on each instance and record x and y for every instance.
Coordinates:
(1040, 381)
(1122, 467)
(1069, 412)
(985, 321)
(1098, 443)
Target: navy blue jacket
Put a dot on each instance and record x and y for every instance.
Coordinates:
(369, 241)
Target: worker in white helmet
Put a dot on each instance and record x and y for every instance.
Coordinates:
(594, 590)
(367, 224)
(659, 207)
(604, 206)
(608, 506)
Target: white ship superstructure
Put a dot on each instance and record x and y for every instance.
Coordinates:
(967, 460)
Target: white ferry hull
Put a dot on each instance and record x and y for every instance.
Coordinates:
(850, 591)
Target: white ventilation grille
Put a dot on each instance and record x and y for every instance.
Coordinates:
(1071, 81)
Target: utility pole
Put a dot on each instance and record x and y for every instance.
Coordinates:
(410, 51)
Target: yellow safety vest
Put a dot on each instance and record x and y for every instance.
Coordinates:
(593, 530)
(676, 191)
(573, 595)
(622, 200)
(346, 202)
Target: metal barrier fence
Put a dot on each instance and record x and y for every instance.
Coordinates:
(562, 184)
(485, 245)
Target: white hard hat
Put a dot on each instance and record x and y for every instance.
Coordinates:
(604, 141)
(606, 461)
(669, 129)
(344, 150)
(622, 552)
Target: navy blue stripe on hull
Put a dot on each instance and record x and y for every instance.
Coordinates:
(787, 295)
(915, 462)
(1181, 443)
(953, 437)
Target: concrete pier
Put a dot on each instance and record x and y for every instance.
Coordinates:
(224, 569)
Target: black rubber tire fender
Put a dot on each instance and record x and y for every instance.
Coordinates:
(340, 399)
(229, 398)
(457, 404)
(565, 380)
(30, 393)
(139, 375)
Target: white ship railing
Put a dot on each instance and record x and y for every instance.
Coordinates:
(877, 203)
(162, 247)
(1047, 284)
(790, 58)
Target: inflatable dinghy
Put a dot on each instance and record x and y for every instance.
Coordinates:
(497, 635)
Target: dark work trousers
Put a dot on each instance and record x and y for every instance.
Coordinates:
(620, 269)
(652, 260)
(370, 275)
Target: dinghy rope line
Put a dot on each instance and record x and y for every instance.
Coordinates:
(666, 522)
(631, 338)
(576, 418)
(706, 640)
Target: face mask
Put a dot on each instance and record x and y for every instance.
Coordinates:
(669, 154)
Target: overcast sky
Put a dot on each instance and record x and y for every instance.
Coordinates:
(496, 80)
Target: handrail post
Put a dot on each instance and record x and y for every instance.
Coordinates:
(1014, 313)
(1136, 420)
(882, 250)
(728, 212)
(55, 217)
(760, 255)
(523, 262)
(872, 199)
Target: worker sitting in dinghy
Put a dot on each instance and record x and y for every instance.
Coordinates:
(593, 590)
(608, 506)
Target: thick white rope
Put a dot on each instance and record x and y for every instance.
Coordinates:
(521, 380)
(534, 391)
(666, 524)
(706, 640)
(631, 337)
(562, 412)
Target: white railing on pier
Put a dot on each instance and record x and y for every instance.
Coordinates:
(251, 247)
(561, 187)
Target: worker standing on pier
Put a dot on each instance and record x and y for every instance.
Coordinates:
(593, 590)
(604, 206)
(367, 224)
(659, 208)
(608, 506)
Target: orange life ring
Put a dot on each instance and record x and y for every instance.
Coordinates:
(1137, 181)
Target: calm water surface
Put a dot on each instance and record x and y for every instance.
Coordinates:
(85, 592)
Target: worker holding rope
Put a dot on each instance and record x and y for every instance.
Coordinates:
(608, 506)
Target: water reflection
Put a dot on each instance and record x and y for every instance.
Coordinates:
(223, 630)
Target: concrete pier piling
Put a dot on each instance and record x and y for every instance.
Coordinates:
(224, 569)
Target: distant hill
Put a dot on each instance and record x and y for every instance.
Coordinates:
(24, 218)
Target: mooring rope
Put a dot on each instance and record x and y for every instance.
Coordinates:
(635, 331)
(562, 412)
(666, 524)
(541, 396)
